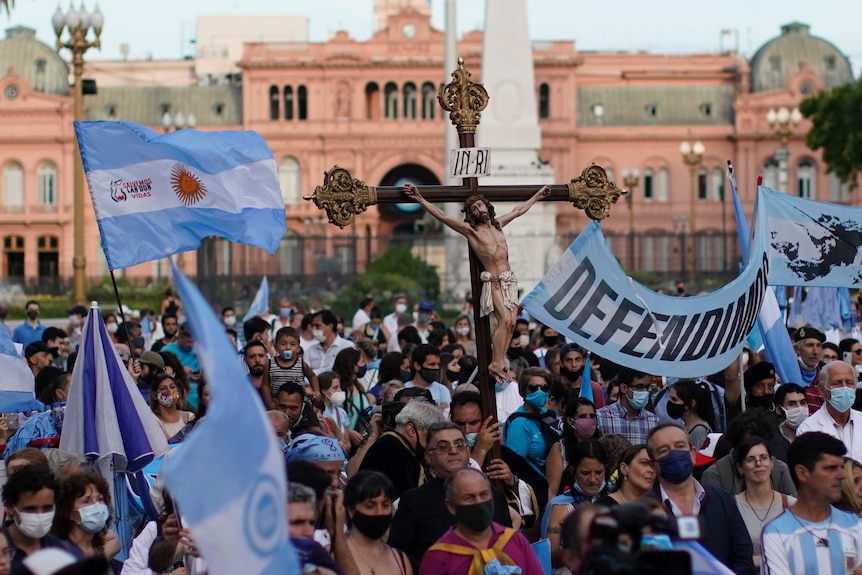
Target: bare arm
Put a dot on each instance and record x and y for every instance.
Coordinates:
(522, 208)
(459, 226)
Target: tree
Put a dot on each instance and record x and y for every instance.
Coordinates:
(836, 117)
(396, 271)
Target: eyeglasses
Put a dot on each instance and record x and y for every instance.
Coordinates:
(446, 447)
(639, 387)
(857, 351)
(8, 553)
(752, 461)
(531, 387)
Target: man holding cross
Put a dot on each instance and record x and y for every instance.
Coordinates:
(484, 233)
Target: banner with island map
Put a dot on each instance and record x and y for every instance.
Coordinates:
(590, 299)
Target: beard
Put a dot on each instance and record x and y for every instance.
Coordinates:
(484, 218)
(256, 371)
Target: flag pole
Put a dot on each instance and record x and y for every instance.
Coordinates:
(120, 307)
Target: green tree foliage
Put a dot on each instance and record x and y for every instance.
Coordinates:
(396, 271)
(836, 117)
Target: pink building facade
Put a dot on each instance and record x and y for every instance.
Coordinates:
(371, 107)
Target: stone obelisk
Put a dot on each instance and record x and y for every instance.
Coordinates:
(510, 127)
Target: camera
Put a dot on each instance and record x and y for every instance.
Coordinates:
(633, 539)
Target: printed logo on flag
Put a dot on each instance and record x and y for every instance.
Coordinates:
(187, 185)
(122, 190)
(262, 527)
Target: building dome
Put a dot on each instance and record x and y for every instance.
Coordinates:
(35, 61)
(781, 57)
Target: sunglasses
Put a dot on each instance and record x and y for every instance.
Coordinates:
(535, 387)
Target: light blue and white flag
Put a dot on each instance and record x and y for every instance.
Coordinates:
(587, 297)
(812, 243)
(260, 303)
(702, 561)
(238, 516)
(17, 385)
(770, 321)
(107, 418)
(822, 309)
(158, 195)
(586, 383)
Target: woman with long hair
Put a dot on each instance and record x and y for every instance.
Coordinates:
(375, 331)
(334, 417)
(350, 367)
(851, 487)
(164, 401)
(690, 401)
(368, 498)
(82, 516)
(588, 462)
(389, 370)
(758, 503)
(635, 477)
(463, 330)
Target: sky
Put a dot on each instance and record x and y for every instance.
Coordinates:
(165, 28)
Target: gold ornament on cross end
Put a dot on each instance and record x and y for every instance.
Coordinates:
(342, 196)
(463, 99)
(594, 193)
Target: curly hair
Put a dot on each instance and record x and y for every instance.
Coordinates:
(468, 217)
(71, 488)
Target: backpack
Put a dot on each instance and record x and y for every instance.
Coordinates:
(481, 557)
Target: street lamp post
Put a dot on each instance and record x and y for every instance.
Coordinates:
(77, 24)
(692, 155)
(680, 223)
(630, 181)
(783, 123)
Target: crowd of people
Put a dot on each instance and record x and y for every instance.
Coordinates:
(395, 468)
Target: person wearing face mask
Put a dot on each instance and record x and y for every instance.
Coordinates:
(476, 537)
(368, 498)
(588, 462)
(572, 359)
(328, 344)
(791, 405)
(31, 328)
(422, 518)
(391, 321)
(526, 431)
(518, 356)
(426, 363)
(83, 516)
(808, 342)
(837, 385)
(628, 416)
(722, 530)
(464, 334)
(759, 384)
(164, 398)
(549, 339)
(399, 454)
(29, 498)
(334, 416)
(689, 401)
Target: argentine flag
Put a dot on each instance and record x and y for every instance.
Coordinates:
(260, 303)
(237, 515)
(158, 195)
(17, 385)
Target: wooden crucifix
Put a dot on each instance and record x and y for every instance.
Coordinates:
(343, 197)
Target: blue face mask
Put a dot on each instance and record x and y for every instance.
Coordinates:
(639, 399)
(842, 399)
(676, 466)
(500, 387)
(283, 445)
(579, 489)
(537, 399)
(360, 372)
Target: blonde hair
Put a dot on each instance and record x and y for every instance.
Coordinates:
(849, 502)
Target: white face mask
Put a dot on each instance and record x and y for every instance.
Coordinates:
(745, 358)
(796, 416)
(35, 525)
(93, 517)
(400, 307)
(230, 320)
(524, 340)
(112, 327)
(317, 334)
(338, 398)
(462, 331)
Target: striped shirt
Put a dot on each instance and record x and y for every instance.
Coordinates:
(615, 419)
(278, 375)
(793, 546)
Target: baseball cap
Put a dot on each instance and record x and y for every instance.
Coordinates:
(153, 358)
(426, 305)
(36, 347)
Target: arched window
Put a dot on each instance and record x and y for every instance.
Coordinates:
(372, 101)
(717, 184)
(429, 101)
(770, 174)
(13, 256)
(390, 94)
(290, 180)
(46, 175)
(806, 180)
(49, 256)
(544, 101)
(662, 185)
(302, 103)
(648, 184)
(290, 252)
(655, 253)
(702, 184)
(288, 102)
(273, 103)
(410, 95)
(13, 188)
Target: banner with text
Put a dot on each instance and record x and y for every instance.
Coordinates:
(588, 297)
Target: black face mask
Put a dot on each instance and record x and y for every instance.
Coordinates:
(571, 375)
(406, 375)
(680, 290)
(550, 340)
(453, 375)
(675, 410)
(514, 352)
(764, 401)
(372, 526)
(476, 517)
(430, 375)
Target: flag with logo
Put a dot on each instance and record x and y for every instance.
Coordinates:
(238, 515)
(156, 195)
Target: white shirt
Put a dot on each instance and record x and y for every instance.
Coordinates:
(390, 322)
(699, 494)
(360, 318)
(139, 555)
(319, 360)
(508, 401)
(439, 393)
(850, 434)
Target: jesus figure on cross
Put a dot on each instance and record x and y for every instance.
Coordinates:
(484, 233)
